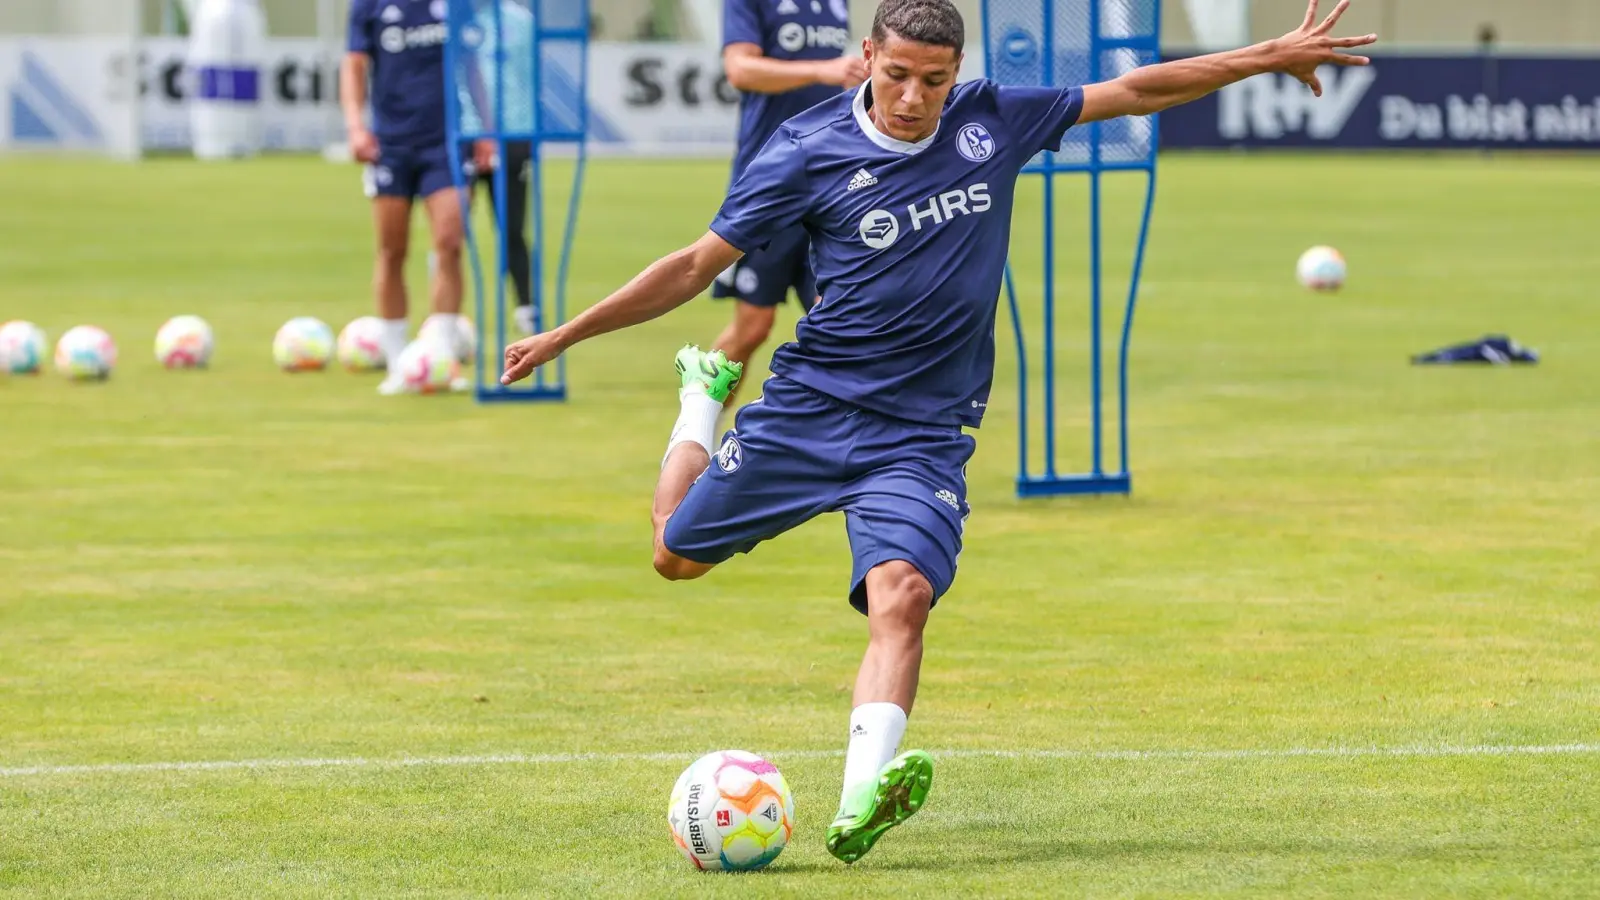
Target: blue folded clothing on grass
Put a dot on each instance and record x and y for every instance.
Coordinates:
(1495, 349)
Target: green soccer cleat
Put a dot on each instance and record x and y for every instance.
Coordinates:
(711, 371)
(894, 796)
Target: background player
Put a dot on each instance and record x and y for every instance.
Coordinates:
(399, 46)
(784, 56)
(485, 82)
(865, 409)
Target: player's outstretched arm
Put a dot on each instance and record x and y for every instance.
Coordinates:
(1154, 88)
(665, 285)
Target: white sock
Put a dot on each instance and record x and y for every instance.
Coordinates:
(875, 732)
(697, 422)
(396, 334)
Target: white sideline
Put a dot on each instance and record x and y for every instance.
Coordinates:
(545, 759)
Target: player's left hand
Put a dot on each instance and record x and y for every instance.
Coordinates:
(528, 354)
(1301, 51)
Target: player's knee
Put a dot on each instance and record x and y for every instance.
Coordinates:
(447, 245)
(898, 598)
(392, 258)
(673, 567)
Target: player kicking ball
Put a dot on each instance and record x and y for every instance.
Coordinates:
(865, 408)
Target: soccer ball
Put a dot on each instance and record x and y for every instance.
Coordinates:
(731, 811)
(1321, 269)
(361, 345)
(22, 347)
(462, 340)
(184, 342)
(302, 345)
(86, 353)
(426, 367)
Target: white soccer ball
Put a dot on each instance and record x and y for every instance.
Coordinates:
(86, 353)
(22, 347)
(184, 342)
(303, 344)
(1321, 269)
(731, 811)
(361, 345)
(426, 367)
(462, 339)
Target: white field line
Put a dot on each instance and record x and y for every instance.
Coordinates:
(554, 759)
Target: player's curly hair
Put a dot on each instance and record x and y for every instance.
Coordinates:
(936, 22)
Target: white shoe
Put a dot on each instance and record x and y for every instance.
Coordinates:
(391, 385)
(524, 318)
(460, 384)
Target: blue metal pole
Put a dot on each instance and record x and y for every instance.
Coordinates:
(1049, 293)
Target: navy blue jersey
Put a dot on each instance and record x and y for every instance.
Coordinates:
(783, 29)
(405, 39)
(909, 242)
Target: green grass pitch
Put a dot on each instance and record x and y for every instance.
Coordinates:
(1327, 549)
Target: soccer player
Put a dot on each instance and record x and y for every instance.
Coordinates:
(865, 408)
(399, 44)
(485, 85)
(784, 56)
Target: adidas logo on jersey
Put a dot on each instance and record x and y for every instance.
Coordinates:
(787, 8)
(949, 499)
(861, 179)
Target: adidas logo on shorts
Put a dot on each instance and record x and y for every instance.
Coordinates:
(948, 498)
(861, 179)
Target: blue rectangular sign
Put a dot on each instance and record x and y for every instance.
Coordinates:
(1399, 102)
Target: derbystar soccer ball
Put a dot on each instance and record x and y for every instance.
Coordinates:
(22, 347)
(426, 367)
(361, 345)
(731, 811)
(462, 339)
(185, 342)
(302, 345)
(1321, 269)
(86, 353)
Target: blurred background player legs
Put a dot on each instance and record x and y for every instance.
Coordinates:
(519, 156)
(783, 58)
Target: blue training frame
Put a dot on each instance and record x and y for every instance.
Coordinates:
(543, 385)
(1097, 480)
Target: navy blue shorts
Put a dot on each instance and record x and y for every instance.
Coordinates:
(764, 278)
(406, 172)
(796, 453)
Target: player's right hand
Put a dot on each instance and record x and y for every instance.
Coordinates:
(846, 71)
(528, 354)
(364, 145)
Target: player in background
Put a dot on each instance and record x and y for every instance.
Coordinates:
(484, 85)
(398, 46)
(784, 57)
(865, 409)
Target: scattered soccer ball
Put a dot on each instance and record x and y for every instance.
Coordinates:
(361, 345)
(86, 353)
(184, 342)
(1321, 269)
(304, 344)
(426, 367)
(22, 347)
(731, 811)
(462, 340)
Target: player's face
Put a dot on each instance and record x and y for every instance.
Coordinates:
(909, 83)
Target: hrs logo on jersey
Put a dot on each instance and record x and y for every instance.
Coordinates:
(880, 228)
(396, 39)
(793, 37)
